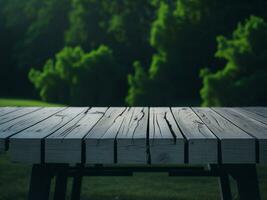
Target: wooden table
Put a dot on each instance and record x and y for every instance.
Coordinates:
(94, 141)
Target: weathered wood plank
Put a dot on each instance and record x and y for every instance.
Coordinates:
(132, 137)
(252, 115)
(202, 144)
(26, 146)
(65, 145)
(166, 142)
(99, 142)
(236, 145)
(249, 125)
(19, 113)
(6, 110)
(17, 125)
(258, 110)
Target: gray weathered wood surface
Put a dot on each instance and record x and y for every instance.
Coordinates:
(253, 127)
(27, 145)
(134, 135)
(99, 142)
(14, 115)
(165, 138)
(17, 125)
(6, 110)
(202, 143)
(131, 139)
(236, 145)
(65, 145)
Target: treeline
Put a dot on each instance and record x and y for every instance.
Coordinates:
(141, 52)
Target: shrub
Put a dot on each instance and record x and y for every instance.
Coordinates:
(80, 78)
(243, 79)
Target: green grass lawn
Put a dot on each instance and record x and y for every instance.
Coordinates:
(24, 102)
(14, 181)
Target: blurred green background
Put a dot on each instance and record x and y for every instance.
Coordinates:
(132, 53)
(141, 52)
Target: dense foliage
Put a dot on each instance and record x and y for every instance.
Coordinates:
(184, 36)
(78, 78)
(243, 80)
(152, 50)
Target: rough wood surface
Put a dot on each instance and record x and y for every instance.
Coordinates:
(249, 125)
(202, 143)
(26, 145)
(22, 123)
(254, 115)
(258, 110)
(166, 143)
(132, 137)
(6, 110)
(19, 113)
(65, 145)
(236, 145)
(99, 142)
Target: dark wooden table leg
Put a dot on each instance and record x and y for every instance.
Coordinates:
(40, 183)
(247, 181)
(61, 183)
(76, 187)
(224, 182)
(225, 188)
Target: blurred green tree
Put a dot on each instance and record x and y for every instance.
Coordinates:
(84, 24)
(177, 36)
(184, 36)
(243, 80)
(34, 32)
(79, 78)
(139, 83)
(38, 26)
(122, 25)
(168, 40)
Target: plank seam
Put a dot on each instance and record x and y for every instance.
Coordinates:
(219, 150)
(251, 111)
(113, 122)
(20, 116)
(147, 138)
(67, 131)
(143, 114)
(43, 139)
(186, 142)
(83, 151)
(7, 139)
(19, 108)
(170, 127)
(250, 116)
(115, 157)
(257, 145)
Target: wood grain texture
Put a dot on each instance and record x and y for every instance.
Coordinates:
(99, 142)
(26, 146)
(19, 113)
(249, 125)
(202, 143)
(258, 110)
(6, 110)
(253, 115)
(236, 145)
(132, 137)
(65, 145)
(22, 123)
(135, 135)
(166, 142)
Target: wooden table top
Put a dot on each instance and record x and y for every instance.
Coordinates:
(134, 135)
